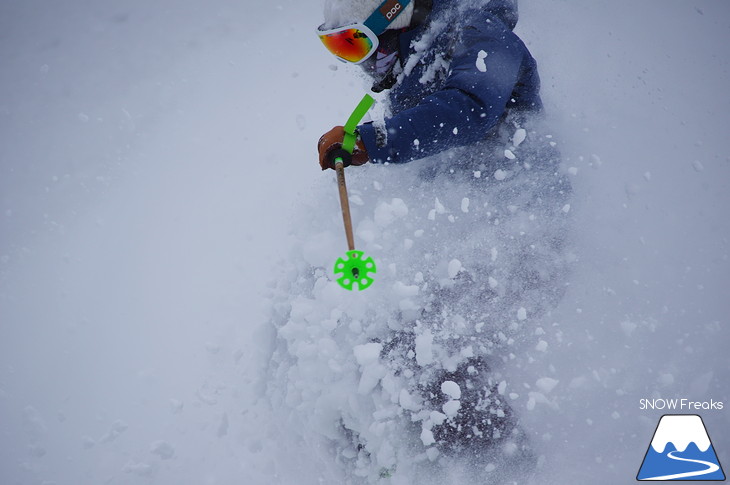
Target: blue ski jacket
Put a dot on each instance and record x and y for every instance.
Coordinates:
(464, 71)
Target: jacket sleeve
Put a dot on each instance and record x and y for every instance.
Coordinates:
(471, 102)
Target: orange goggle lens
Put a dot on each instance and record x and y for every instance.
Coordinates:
(352, 44)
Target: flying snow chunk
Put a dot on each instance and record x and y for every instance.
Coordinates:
(465, 204)
(386, 214)
(454, 268)
(427, 437)
(546, 384)
(522, 314)
(534, 399)
(500, 174)
(407, 304)
(367, 354)
(432, 453)
(697, 165)
(407, 401)
(403, 290)
(437, 418)
(519, 137)
(371, 376)
(451, 389)
(451, 408)
(502, 387)
(439, 207)
(509, 155)
(481, 65)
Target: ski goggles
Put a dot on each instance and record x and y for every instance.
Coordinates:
(355, 43)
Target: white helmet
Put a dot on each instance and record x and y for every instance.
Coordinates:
(342, 12)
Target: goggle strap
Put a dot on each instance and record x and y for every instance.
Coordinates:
(378, 21)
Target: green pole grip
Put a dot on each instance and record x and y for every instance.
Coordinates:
(348, 144)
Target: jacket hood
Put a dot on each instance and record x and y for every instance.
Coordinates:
(505, 10)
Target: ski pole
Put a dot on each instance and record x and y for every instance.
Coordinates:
(344, 203)
(355, 269)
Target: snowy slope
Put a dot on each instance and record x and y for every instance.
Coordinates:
(152, 156)
(648, 313)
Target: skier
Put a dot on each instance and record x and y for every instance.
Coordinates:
(459, 80)
(464, 78)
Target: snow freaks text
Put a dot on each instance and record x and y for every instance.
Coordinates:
(679, 404)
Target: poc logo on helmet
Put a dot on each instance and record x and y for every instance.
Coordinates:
(390, 10)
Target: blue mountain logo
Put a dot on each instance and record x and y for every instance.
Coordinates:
(681, 450)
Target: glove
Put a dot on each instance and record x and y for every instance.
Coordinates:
(330, 147)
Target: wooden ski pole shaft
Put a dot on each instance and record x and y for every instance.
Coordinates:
(345, 203)
(348, 145)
